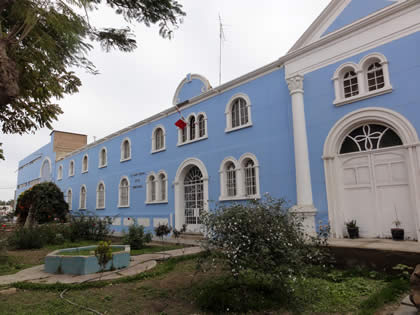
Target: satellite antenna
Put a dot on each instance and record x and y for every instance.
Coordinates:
(221, 39)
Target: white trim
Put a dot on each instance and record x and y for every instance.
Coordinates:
(361, 70)
(119, 193)
(196, 133)
(228, 112)
(154, 150)
(97, 199)
(339, 131)
(42, 166)
(100, 157)
(70, 204)
(149, 188)
(159, 188)
(70, 168)
(80, 198)
(182, 170)
(242, 192)
(187, 79)
(205, 136)
(122, 159)
(60, 172)
(87, 163)
(223, 180)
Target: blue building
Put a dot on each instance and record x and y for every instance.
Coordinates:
(332, 126)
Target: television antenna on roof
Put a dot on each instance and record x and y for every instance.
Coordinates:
(222, 38)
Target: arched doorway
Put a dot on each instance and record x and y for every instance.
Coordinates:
(46, 170)
(191, 194)
(371, 174)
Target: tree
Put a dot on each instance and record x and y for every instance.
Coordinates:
(41, 203)
(42, 40)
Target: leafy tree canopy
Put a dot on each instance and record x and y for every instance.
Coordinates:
(42, 40)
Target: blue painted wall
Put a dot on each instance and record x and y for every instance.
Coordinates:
(321, 114)
(356, 10)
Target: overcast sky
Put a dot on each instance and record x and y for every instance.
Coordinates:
(134, 86)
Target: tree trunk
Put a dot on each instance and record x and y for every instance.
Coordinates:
(30, 219)
(9, 76)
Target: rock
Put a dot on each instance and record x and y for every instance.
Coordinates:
(415, 287)
(8, 291)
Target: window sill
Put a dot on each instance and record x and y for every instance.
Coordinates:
(156, 202)
(60, 178)
(102, 166)
(179, 144)
(83, 209)
(157, 151)
(100, 208)
(235, 198)
(361, 97)
(72, 175)
(125, 160)
(83, 172)
(119, 206)
(238, 128)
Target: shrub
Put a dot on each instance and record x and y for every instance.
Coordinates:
(162, 230)
(264, 238)
(104, 254)
(136, 237)
(45, 200)
(26, 238)
(89, 227)
(54, 233)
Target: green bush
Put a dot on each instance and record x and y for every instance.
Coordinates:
(136, 237)
(26, 238)
(45, 200)
(162, 230)
(89, 227)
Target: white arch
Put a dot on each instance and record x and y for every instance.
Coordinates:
(83, 163)
(183, 169)
(41, 175)
(228, 159)
(97, 191)
(119, 193)
(206, 83)
(396, 121)
(345, 66)
(72, 167)
(60, 172)
(122, 149)
(228, 112)
(154, 149)
(70, 200)
(376, 55)
(80, 197)
(100, 164)
(223, 179)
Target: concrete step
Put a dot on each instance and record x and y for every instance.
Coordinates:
(191, 236)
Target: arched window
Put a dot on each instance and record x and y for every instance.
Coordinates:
(250, 178)
(370, 137)
(162, 184)
(103, 157)
(46, 170)
(375, 76)
(85, 164)
(230, 179)
(151, 183)
(184, 134)
(124, 193)
(238, 112)
(158, 139)
(71, 168)
(201, 126)
(70, 198)
(193, 196)
(60, 172)
(350, 84)
(100, 196)
(125, 150)
(82, 203)
(192, 127)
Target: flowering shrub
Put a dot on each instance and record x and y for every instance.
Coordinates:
(264, 238)
(162, 230)
(45, 200)
(136, 237)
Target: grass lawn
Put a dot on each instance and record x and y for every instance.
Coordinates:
(174, 287)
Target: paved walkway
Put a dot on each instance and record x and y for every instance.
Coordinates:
(138, 264)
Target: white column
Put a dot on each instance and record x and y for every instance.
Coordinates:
(304, 205)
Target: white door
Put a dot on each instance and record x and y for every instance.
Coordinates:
(375, 183)
(193, 199)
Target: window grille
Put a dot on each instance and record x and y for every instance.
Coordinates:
(85, 163)
(83, 197)
(201, 126)
(239, 112)
(124, 189)
(162, 178)
(69, 198)
(103, 157)
(101, 196)
(350, 84)
(370, 137)
(192, 128)
(184, 134)
(231, 180)
(193, 196)
(152, 184)
(375, 77)
(159, 139)
(126, 150)
(71, 168)
(250, 179)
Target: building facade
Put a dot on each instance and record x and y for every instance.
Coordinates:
(332, 127)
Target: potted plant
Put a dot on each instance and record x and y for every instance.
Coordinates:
(352, 229)
(397, 232)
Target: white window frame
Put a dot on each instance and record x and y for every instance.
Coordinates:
(122, 158)
(154, 149)
(128, 193)
(242, 160)
(228, 112)
(101, 164)
(70, 200)
(85, 169)
(361, 70)
(196, 130)
(72, 167)
(158, 188)
(80, 198)
(223, 180)
(97, 196)
(60, 172)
